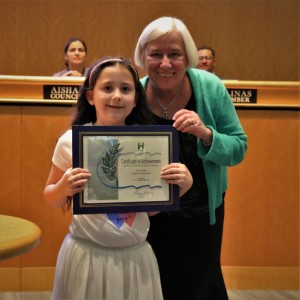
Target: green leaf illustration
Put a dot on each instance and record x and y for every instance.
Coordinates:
(109, 163)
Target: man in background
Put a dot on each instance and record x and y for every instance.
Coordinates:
(206, 59)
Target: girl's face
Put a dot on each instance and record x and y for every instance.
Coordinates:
(76, 54)
(166, 61)
(113, 95)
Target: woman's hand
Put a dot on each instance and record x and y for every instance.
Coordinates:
(72, 73)
(190, 122)
(177, 173)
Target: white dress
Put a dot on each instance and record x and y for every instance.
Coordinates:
(105, 256)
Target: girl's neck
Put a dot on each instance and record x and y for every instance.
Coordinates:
(112, 124)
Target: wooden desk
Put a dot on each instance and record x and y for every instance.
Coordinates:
(17, 236)
(257, 255)
(31, 90)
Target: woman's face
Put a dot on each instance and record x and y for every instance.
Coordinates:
(113, 95)
(166, 61)
(76, 54)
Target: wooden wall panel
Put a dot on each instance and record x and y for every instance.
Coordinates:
(9, 33)
(41, 127)
(254, 40)
(31, 133)
(260, 32)
(261, 234)
(10, 147)
(262, 202)
(52, 23)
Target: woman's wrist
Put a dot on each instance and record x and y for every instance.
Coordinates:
(205, 144)
(207, 140)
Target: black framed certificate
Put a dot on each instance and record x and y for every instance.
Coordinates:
(125, 164)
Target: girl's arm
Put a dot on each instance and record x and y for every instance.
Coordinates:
(62, 184)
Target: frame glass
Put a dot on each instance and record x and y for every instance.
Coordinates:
(125, 164)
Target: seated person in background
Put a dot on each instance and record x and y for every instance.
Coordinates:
(206, 59)
(75, 58)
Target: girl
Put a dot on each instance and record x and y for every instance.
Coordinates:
(99, 260)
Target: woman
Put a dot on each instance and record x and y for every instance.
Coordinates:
(75, 58)
(187, 243)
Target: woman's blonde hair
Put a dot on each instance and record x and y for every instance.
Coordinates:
(162, 26)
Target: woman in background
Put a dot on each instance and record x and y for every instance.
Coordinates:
(75, 58)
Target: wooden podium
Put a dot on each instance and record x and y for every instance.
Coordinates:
(32, 89)
(261, 229)
(37, 90)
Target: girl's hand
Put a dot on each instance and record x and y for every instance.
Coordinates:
(62, 184)
(73, 181)
(177, 173)
(189, 121)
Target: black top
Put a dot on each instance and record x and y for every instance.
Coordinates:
(195, 201)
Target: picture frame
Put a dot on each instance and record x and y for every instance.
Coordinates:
(125, 164)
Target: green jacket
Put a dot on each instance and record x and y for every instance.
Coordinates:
(229, 145)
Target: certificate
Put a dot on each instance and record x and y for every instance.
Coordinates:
(125, 164)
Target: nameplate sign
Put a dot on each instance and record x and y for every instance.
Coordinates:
(243, 95)
(61, 92)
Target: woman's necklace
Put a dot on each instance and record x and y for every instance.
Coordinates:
(165, 109)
